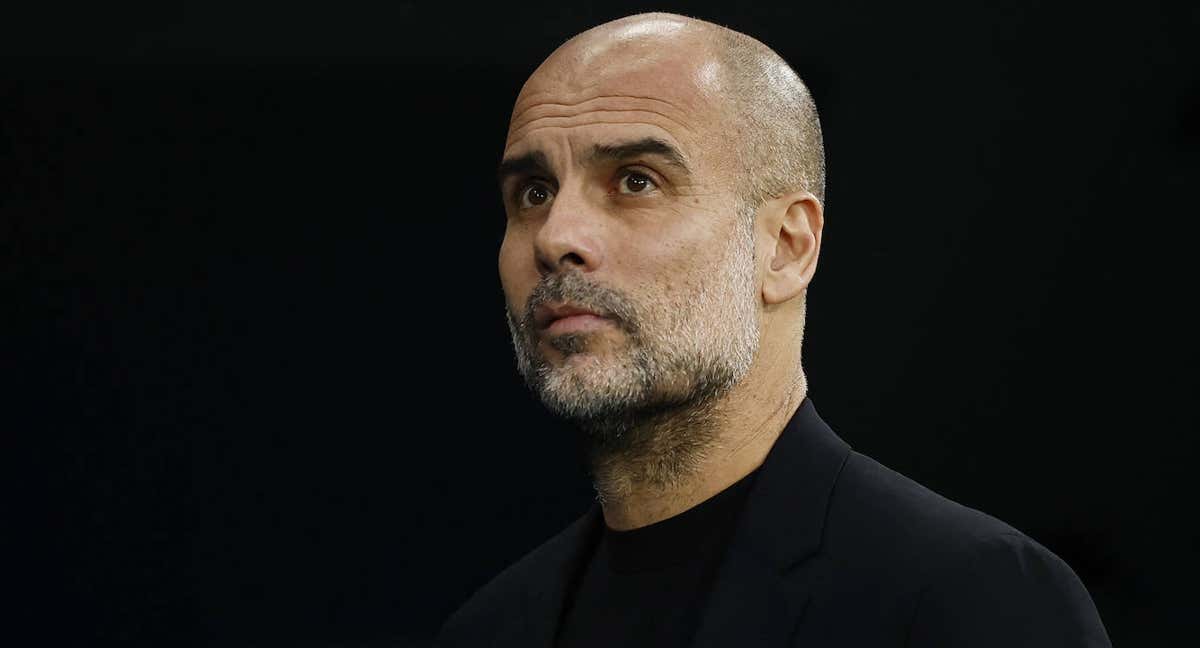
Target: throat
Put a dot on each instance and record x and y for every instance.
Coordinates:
(645, 462)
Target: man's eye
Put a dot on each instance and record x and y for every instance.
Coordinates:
(634, 183)
(534, 195)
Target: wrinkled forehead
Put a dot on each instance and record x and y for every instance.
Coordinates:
(631, 80)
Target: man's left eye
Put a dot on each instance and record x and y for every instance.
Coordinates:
(634, 183)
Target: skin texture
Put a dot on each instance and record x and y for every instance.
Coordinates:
(677, 247)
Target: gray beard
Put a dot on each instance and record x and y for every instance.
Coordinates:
(649, 412)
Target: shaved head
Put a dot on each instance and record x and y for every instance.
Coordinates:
(768, 117)
(662, 179)
(780, 145)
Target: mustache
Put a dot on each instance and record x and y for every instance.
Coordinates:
(572, 288)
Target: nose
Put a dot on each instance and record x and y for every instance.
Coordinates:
(569, 237)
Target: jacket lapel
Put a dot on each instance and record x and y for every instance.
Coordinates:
(764, 583)
(569, 554)
(767, 576)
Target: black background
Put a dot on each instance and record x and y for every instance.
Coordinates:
(259, 390)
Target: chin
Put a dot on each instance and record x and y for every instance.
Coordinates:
(586, 371)
(584, 382)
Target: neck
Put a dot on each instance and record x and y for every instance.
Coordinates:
(669, 461)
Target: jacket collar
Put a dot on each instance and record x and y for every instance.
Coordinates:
(784, 517)
(569, 553)
(764, 583)
(758, 594)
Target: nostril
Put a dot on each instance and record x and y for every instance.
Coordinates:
(565, 262)
(572, 258)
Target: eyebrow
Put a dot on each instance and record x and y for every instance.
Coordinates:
(533, 163)
(537, 163)
(644, 146)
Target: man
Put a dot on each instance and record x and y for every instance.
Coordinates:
(663, 182)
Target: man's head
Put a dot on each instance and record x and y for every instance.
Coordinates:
(662, 180)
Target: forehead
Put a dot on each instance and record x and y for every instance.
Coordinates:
(634, 87)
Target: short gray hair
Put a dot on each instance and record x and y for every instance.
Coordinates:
(780, 148)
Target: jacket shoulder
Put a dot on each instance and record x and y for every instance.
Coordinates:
(872, 501)
(1031, 598)
(969, 578)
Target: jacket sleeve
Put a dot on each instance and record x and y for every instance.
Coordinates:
(1007, 590)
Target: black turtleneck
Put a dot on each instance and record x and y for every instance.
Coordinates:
(647, 586)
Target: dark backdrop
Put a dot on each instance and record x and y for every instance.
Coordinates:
(258, 384)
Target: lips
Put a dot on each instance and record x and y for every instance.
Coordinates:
(560, 316)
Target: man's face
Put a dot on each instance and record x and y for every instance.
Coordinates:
(627, 262)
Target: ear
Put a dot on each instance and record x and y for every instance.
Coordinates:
(794, 225)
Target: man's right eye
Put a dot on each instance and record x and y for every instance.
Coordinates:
(534, 195)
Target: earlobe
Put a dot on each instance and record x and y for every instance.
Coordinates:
(795, 222)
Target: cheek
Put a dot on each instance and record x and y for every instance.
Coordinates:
(684, 257)
(515, 264)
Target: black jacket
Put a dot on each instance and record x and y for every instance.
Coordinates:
(832, 549)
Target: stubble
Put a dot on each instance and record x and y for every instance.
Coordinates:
(648, 407)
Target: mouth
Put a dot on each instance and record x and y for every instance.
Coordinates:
(560, 319)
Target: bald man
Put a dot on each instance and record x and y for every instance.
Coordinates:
(663, 182)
